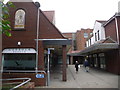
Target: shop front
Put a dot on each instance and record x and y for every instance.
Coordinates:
(19, 59)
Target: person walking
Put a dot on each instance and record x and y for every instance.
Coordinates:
(86, 65)
(76, 66)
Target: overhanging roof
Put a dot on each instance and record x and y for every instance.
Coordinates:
(19, 50)
(96, 48)
(56, 41)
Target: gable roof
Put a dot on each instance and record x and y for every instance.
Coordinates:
(101, 21)
(68, 35)
(54, 28)
(112, 18)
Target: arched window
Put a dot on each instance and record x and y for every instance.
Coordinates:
(20, 19)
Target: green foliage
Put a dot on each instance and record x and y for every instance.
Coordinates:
(4, 15)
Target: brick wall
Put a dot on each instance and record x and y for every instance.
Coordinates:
(37, 81)
(110, 30)
(80, 40)
(112, 59)
(29, 85)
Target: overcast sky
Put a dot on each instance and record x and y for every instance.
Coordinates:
(72, 15)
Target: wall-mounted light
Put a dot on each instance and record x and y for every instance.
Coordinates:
(19, 43)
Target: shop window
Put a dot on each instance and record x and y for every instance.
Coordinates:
(102, 61)
(19, 62)
(19, 19)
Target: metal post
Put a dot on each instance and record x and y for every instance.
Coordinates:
(48, 71)
(2, 63)
(48, 67)
(37, 39)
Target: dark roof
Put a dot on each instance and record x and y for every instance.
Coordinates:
(112, 18)
(95, 48)
(101, 21)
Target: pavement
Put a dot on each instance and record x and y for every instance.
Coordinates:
(92, 79)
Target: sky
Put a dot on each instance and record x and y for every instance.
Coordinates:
(72, 15)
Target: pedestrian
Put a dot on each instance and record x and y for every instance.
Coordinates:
(86, 65)
(76, 66)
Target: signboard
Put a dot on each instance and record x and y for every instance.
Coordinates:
(48, 51)
(39, 75)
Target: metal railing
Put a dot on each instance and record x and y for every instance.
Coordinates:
(24, 71)
(12, 79)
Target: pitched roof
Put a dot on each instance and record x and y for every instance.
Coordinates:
(50, 15)
(112, 18)
(67, 35)
(101, 21)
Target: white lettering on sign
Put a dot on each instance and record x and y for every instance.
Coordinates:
(39, 75)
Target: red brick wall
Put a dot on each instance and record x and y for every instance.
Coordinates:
(38, 81)
(29, 85)
(27, 36)
(118, 19)
(110, 30)
(112, 59)
(80, 40)
(47, 29)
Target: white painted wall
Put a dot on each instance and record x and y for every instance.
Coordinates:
(97, 26)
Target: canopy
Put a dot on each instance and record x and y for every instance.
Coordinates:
(19, 50)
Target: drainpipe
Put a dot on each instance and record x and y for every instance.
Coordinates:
(37, 33)
(117, 29)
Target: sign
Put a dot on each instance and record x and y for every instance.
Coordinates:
(39, 75)
(48, 51)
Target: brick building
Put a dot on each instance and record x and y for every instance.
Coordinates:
(78, 43)
(104, 53)
(24, 54)
(81, 37)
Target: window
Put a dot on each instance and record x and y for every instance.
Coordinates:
(95, 37)
(90, 41)
(98, 35)
(19, 62)
(19, 19)
(85, 35)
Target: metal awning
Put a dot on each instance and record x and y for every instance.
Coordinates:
(19, 50)
(96, 48)
(56, 41)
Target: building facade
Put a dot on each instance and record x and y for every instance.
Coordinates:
(103, 53)
(98, 33)
(79, 44)
(81, 37)
(24, 54)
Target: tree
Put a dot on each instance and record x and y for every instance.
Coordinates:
(4, 15)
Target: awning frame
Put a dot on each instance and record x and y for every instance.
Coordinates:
(18, 50)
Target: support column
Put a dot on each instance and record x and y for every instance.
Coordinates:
(64, 76)
(71, 60)
(98, 58)
(40, 56)
(93, 61)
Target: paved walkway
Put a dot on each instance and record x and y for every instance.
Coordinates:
(91, 79)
